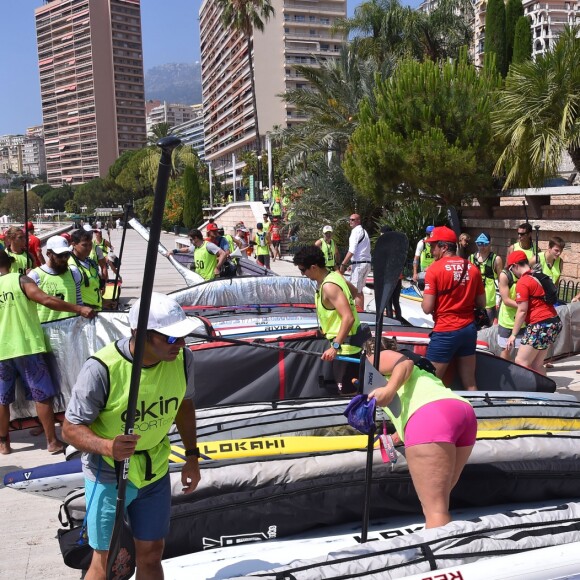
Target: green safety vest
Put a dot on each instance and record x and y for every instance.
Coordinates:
(554, 271)
(22, 262)
(161, 390)
(90, 283)
(530, 252)
(19, 324)
(205, 262)
(330, 320)
(489, 276)
(261, 244)
(285, 201)
(60, 285)
(266, 226)
(231, 242)
(329, 251)
(426, 259)
(276, 209)
(418, 390)
(104, 248)
(507, 314)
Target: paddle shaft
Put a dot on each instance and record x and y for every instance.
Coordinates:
(537, 228)
(270, 347)
(122, 542)
(128, 206)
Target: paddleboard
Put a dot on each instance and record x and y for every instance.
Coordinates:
(236, 556)
(58, 479)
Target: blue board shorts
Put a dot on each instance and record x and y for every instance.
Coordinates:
(33, 370)
(148, 509)
(444, 346)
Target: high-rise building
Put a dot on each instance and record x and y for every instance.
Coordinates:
(171, 113)
(297, 34)
(191, 132)
(547, 21)
(91, 83)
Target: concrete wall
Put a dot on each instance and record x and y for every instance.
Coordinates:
(560, 216)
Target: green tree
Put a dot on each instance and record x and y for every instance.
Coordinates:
(71, 206)
(513, 11)
(495, 34)
(95, 193)
(538, 114)
(244, 17)
(56, 198)
(522, 40)
(429, 135)
(384, 29)
(42, 189)
(330, 104)
(158, 131)
(327, 199)
(12, 204)
(192, 206)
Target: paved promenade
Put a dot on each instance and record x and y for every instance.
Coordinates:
(29, 549)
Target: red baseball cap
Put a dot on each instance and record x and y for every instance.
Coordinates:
(30, 226)
(516, 257)
(442, 234)
(211, 227)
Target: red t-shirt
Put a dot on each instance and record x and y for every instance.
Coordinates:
(453, 310)
(34, 248)
(529, 290)
(275, 233)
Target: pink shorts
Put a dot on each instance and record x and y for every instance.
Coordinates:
(444, 421)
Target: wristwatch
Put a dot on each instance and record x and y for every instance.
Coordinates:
(335, 345)
(190, 452)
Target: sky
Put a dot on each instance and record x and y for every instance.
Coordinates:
(170, 34)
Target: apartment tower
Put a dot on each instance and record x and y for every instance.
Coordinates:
(91, 82)
(298, 33)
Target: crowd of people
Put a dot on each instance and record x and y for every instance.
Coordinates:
(437, 427)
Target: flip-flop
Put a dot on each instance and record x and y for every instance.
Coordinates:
(57, 450)
(548, 366)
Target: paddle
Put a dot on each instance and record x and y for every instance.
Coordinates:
(268, 346)
(121, 557)
(453, 220)
(128, 208)
(537, 228)
(388, 261)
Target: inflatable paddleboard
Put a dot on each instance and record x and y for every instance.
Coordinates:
(58, 479)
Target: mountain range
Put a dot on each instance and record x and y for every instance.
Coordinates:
(174, 83)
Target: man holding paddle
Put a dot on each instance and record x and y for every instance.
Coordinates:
(337, 314)
(95, 421)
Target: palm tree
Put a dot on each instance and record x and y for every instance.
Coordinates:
(331, 103)
(245, 16)
(158, 132)
(385, 29)
(538, 115)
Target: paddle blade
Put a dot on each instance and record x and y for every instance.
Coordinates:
(388, 261)
(375, 380)
(237, 253)
(453, 220)
(122, 546)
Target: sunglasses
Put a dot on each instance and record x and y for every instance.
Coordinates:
(352, 219)
(520, 234)
(302, 270)
(481, 244)
(168, 339)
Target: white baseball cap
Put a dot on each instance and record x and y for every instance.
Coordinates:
(88, 228)
(57, 244)
(326, 229)
(165, 316)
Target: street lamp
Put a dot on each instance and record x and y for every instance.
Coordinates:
(259, 176)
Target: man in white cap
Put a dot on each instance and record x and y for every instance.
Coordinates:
(329, 249)
(359, 251)
(57, 278)
(95, 422)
